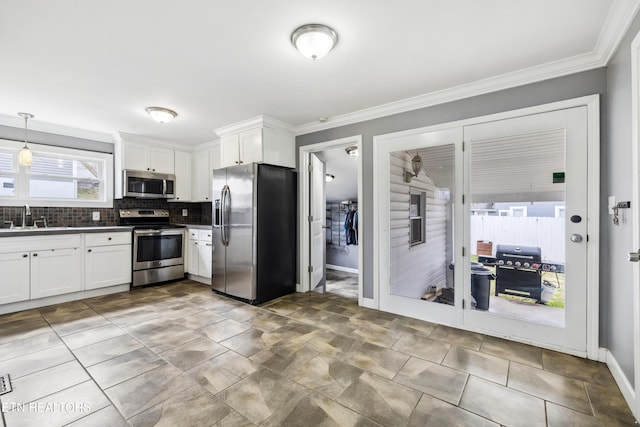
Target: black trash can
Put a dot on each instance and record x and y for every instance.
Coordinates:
(481, 286)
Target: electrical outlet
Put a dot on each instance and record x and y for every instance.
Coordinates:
(95, 216)
(612, 204)
(185, 212)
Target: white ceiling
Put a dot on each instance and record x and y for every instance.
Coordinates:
(345, 170)
(95, 65)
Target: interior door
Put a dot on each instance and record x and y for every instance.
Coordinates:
(526, 223)
(316, 220)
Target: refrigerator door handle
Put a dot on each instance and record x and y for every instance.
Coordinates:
(223, 215)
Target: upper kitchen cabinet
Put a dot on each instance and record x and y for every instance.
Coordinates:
(205, 158)
(260, 140)
(134, 152)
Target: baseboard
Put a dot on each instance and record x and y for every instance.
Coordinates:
(623, 383)
(299, 288)
(201, 279)
(341, 268)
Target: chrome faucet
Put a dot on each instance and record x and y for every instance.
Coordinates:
(26, 211)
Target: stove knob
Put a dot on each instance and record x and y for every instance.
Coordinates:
(501, 262)
(552, 268)
(509, 262)
(526, 265)
(518, 264)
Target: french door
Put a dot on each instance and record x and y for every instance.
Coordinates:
(483, 225)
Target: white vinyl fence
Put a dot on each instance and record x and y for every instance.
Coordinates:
(546, 233)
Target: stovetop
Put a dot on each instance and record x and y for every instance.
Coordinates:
(155, 219)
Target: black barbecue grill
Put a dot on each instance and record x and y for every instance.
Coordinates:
(518, 271)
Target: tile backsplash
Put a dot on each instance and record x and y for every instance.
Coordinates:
(198, 213)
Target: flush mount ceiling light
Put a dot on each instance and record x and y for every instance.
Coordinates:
(352, 151)
(314, 40)
(161, 115)
(25, 157)
(328, 177)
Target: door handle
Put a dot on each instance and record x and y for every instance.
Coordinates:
(576, 238)
(634, 256)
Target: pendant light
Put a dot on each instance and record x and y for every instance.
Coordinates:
(314, 40)
(25, 157)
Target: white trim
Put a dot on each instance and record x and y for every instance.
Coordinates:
(621, 379)
(593, 171)
(341, 268)
(303, 205)
(620, 17)
(635, 194)
(37, 125)
(369, 303)
(254, 122)
(118, 137)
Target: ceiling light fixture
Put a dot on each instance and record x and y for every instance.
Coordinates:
(25, 157)
(328, 177)
(314, 40)
(161, 115)
(352, 151)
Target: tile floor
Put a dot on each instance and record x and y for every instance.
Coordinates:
(342, 283)
(178, 355)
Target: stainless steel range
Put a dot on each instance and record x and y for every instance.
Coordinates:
(158, 247)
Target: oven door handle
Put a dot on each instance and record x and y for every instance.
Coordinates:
(223, 215)
(152, 232)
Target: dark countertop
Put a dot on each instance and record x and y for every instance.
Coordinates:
(198, 226)
(16, 232)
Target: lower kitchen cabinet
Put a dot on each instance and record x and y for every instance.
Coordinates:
(15, 277)
(107, 266)
(199, 253)
(55, 272)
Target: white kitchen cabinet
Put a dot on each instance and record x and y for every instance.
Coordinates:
(107, 259)
(259, 145)
(203, 162)
(56, 271)
(200, 252)
(183, 176)
(146, 157)
(15, 277)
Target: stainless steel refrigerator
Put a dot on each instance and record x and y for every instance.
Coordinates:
(254, 231)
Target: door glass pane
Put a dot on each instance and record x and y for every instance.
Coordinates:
(517, 227)
(421, 223)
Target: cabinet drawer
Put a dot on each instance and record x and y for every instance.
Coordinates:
(107, 239)
(194, 234)
(205, 235)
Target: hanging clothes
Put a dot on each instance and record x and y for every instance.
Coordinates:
(351, 228)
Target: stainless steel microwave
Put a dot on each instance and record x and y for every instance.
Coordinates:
(148, 184)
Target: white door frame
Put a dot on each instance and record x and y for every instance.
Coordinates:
(630, 391)
(303, 205)
(592, 102)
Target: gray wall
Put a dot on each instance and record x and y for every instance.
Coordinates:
(573, 86)
(38, 137)
(616, 285)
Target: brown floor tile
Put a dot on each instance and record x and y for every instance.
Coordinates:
(326, 376)
(39, 360)
(45, 382)
(511, 350)
(105, 350)
(375, 359)
(191, 407)
(382, 400)
(559, 416)
(282, 307)
(188, 355)
(124, 367)
(316, 410)
(433, 379)
(261, 394)
(250, 342)
(92, 336)
(423, 347)
(502, 405)
(432, 412)
(46, 338)
(108, 416)
(479, 364)
(609, 404)
(549, 386)
(223, 371)
(575, 367)
(456, 336)
(147, 390)
(224, 329)
(199, 320)
(71, 403)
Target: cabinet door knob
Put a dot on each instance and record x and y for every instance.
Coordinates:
(88, 250)
(35, 254)
(153, 170)
(25, 255)
(148, 168)
(109, 238)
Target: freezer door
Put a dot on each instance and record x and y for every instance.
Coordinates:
(218, 255)
(240, 248)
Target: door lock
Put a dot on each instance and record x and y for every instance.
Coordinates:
(634, 256)
(576, 238)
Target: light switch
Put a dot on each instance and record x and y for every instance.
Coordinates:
(185, 212)
(95, 216)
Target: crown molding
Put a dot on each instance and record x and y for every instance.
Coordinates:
(254, 122)
(616, 25)
(36, 125)
(124, 136)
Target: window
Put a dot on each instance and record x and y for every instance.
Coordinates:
(416, 217)
(57, 177)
